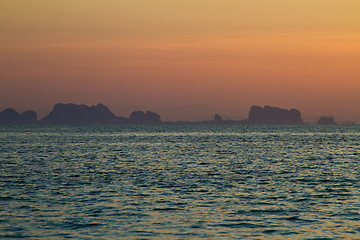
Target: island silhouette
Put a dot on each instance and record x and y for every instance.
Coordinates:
(82, 114)
(10, 116)
(326, 121)
(274, 115)
(100, 114)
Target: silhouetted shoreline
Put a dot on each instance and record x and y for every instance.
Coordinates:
(100, 114)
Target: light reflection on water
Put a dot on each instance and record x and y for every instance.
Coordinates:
(179, 182)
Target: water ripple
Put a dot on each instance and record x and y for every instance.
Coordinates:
(179, 182)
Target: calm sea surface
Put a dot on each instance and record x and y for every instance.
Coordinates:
(180, 182)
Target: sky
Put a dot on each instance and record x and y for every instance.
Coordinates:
(185, 60)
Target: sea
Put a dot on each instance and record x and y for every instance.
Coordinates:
(174, 181)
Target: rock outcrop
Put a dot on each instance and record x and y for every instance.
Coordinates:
(81, 114)
(326, 121)
(218, 118)
(10, 116)
(274, 115)
(28, 117)
(139, 117)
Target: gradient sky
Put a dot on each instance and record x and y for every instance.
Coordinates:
(186, 60)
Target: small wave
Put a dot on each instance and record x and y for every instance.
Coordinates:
(298, 219)
(15, 235)
(166, 209)
(129, 215)
(6, 198)
(319, 238)
(241, 225)
(78, 225)
(301, 200)
(74, 175)
(258, 211)
(270, 231)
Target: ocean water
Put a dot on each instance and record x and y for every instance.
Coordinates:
(180, 182)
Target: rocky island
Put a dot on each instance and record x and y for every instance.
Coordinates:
(139, 117)
(10, 116)
(274, 115)
(326, 121)
(99, 114)
(81, 114)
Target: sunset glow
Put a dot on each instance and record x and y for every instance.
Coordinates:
(186, 60)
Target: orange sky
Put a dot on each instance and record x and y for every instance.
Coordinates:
(186, 60)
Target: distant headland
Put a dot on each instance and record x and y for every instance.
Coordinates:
(274, 115)
(100, 114)
(10, 116)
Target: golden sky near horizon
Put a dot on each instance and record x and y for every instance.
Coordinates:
(184, 59)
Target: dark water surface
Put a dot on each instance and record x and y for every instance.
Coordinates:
(180, 182)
